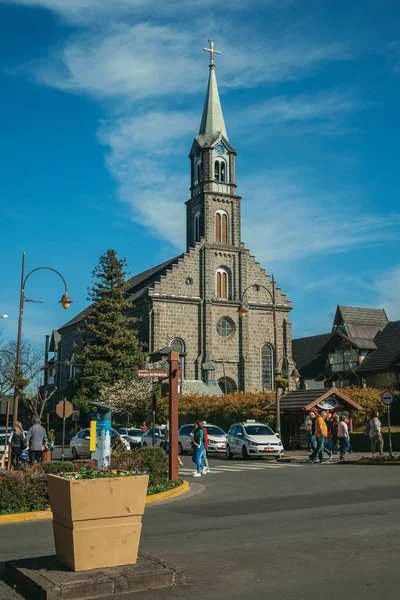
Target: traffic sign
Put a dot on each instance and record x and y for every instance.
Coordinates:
(64, 412)
(147, 373)
(387, 398)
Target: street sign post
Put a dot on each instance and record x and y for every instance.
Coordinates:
(64, 409)
(150, 373)
(388, 399)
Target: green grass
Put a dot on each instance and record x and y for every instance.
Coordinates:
(163, 487)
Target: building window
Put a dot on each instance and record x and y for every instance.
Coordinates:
(222, 283)
(220, 171)
(221, 227)
(72, 367)
(197, 227)
(227, 385)
(267, 367)
(198, 172)
(179, 346)
(225, 327)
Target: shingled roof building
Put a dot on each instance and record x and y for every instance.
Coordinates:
(362, 348)
(191, 301)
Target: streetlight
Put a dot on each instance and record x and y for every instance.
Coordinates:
(65, 303)
(242, 311)
(3, 316)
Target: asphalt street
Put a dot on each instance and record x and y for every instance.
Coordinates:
(260, 530)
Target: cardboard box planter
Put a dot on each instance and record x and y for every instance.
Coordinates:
(97, 522)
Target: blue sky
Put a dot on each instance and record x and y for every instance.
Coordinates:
(100, 101)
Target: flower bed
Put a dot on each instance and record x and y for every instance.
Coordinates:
(27, 491)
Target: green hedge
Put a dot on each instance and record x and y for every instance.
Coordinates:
(23, 491)
(153, 461)
(361, 442)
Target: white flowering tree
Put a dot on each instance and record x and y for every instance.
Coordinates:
(129, 397)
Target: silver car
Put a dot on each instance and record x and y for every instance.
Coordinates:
(132, 434)
(80, 443)
(216, 438)
(159, 438)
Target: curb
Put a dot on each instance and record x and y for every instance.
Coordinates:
(169, 493)
(47, 514)
(380, 463)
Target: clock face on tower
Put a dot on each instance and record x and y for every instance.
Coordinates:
(220, 148)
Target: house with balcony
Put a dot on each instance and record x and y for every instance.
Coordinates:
(336, 358)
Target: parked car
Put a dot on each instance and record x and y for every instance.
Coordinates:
(216, 438)
(252, 439)
(132, 434)
(2, 445)
(159, 438)
(80, 443)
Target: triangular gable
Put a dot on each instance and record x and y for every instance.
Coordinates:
(334, 392)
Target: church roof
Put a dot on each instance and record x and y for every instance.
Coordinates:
(387, 353)
(134, 286)
(212, 123)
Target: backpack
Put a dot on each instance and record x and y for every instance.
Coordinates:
(205, 438)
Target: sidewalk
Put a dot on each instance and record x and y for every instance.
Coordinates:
(302, 455)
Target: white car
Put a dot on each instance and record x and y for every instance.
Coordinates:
(216, 438)
(133, 435)
(252, 439)
(159, 438)
(80, 443)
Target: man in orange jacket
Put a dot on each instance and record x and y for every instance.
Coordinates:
(321, 433)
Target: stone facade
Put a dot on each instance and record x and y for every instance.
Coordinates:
(183, 301)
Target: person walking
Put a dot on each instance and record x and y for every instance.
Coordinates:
(334, 433)
(37, 440)
(144, 427)
(309, 423)
(343, 437)
(198, 447)
(17, 441)
(203, 458)
(321, 433)
(374, 427)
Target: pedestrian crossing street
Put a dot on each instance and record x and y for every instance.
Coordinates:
(240, 467)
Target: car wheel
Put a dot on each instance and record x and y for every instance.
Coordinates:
(245, 454)
(229, 454)
(75, 455)
(144, 445)
(180, 449)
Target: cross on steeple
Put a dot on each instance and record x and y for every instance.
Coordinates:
(212, 52)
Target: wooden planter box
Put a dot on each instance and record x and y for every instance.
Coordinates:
(97, 522)
(47, 456)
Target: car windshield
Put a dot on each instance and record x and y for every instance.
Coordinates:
(213, 430)
(258, 430)
(135, 432)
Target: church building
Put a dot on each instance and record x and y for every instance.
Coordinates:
(214, 303)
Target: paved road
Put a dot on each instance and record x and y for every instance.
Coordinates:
(293, 532)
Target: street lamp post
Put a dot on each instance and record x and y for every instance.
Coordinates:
(242, 311)
(65, 303)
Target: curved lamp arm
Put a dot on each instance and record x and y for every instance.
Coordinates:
(242, 310)
(65, 300)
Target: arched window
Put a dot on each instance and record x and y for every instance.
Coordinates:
(198, 172)
(222, 283)
(196, 225)
(227, 385)
(266, 367)
(220, 170)
(72, 367)
(221, 227)
(179, 346)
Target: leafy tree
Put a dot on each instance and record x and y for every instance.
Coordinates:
(110, 350)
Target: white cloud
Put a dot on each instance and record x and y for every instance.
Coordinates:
(387, 286)
(325, 106)
(286, 222)
(145, 60)
(139, 148)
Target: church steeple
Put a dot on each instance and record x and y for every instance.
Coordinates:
(213, 211)
(212, 122)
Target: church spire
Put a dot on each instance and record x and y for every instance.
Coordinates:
(212, 121)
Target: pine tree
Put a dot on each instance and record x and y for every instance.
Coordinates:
(110, 350)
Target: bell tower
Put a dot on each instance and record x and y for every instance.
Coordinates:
(213, 211)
